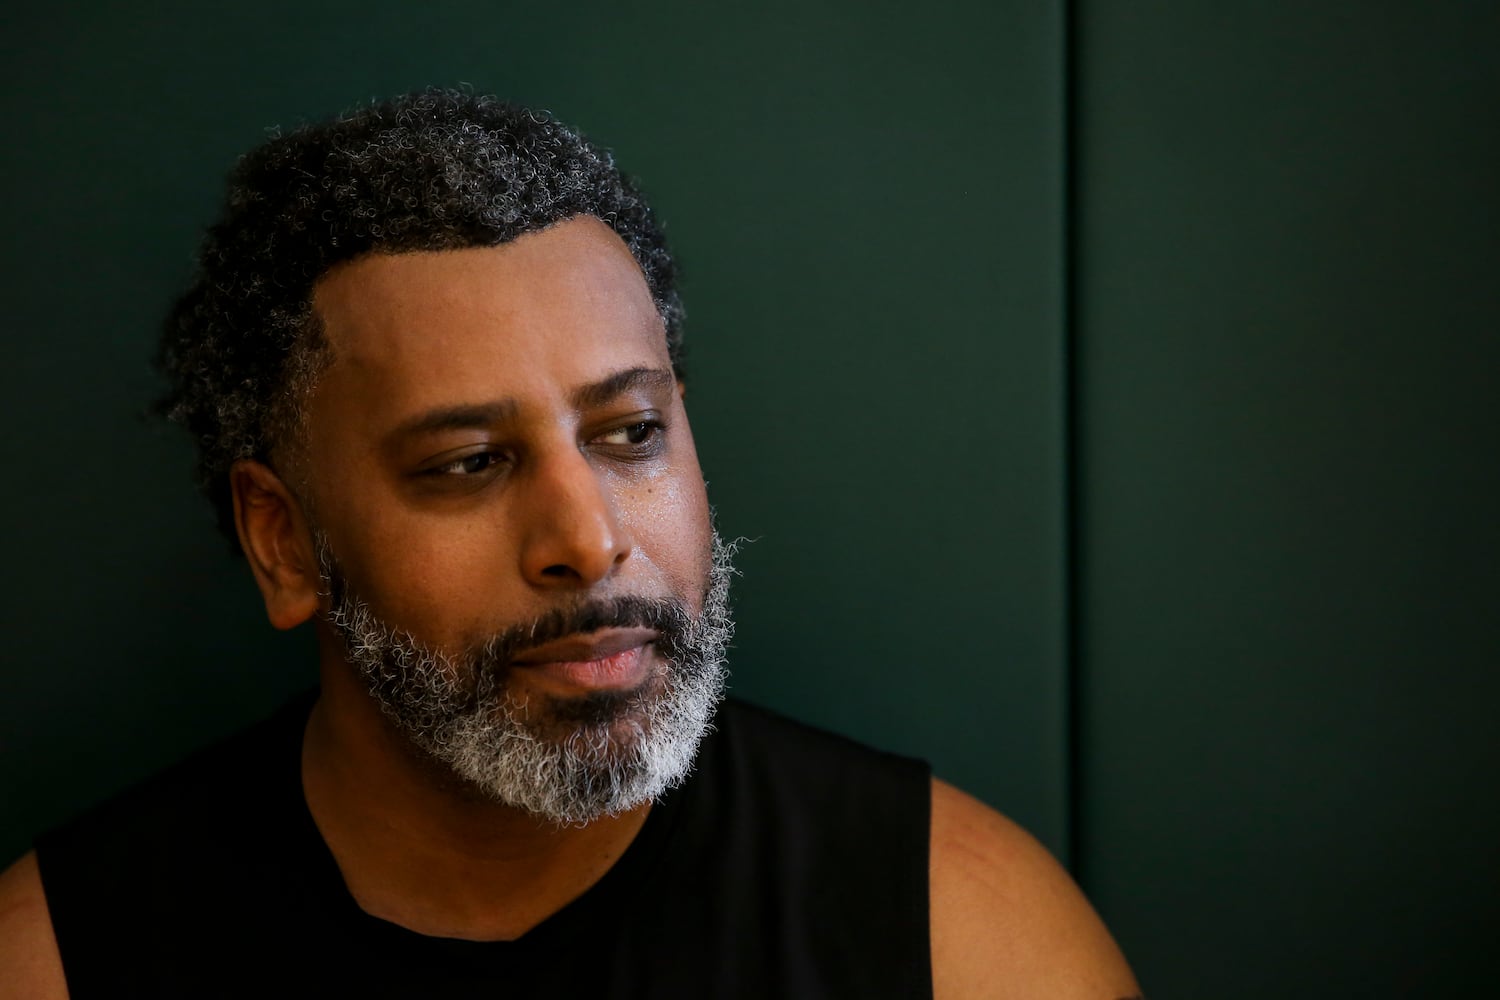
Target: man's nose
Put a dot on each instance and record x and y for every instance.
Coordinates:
(573, 536)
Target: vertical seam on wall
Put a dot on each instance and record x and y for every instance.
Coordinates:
(1072, 655)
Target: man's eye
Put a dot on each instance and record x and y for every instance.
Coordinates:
(632, 435)
(468, 465)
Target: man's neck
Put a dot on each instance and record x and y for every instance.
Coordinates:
(417, 849)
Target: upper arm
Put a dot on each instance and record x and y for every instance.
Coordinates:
(28, 949)
(1007, 920)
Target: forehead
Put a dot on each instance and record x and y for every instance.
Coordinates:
(528, 319)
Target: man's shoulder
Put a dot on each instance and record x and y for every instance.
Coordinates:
(28, 950)
(1004, 918)
(1007, 919)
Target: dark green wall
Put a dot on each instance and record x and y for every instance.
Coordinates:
(1279, 379)
(1289, 343)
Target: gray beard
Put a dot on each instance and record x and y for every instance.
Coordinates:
(569, 760)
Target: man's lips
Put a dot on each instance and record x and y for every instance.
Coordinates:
(609, 658)
(584, 648)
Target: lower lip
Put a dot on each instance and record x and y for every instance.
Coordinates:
(625, 669)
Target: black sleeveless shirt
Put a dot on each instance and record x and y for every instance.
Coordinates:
(793, 863)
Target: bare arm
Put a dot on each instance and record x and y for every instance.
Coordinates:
(28, 950)
(1007, 921)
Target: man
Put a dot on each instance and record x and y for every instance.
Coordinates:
(431, 363)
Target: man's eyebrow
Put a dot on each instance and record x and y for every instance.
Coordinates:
(468, 416)
(463, 417)
(610, 388)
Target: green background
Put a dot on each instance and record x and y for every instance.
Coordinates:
(1108, 389)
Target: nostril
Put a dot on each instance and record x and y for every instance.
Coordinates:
(559, 571)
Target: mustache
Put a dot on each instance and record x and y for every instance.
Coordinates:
(668, 618)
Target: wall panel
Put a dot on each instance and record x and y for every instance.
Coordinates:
(1288, 358)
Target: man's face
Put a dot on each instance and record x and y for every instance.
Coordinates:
(498, 455)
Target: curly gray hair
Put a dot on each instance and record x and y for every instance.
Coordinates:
(435, 170)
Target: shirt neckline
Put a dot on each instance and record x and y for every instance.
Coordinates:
(602, 901)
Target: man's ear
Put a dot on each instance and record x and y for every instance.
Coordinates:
(277, 543)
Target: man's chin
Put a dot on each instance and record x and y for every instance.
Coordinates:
(574, 759)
